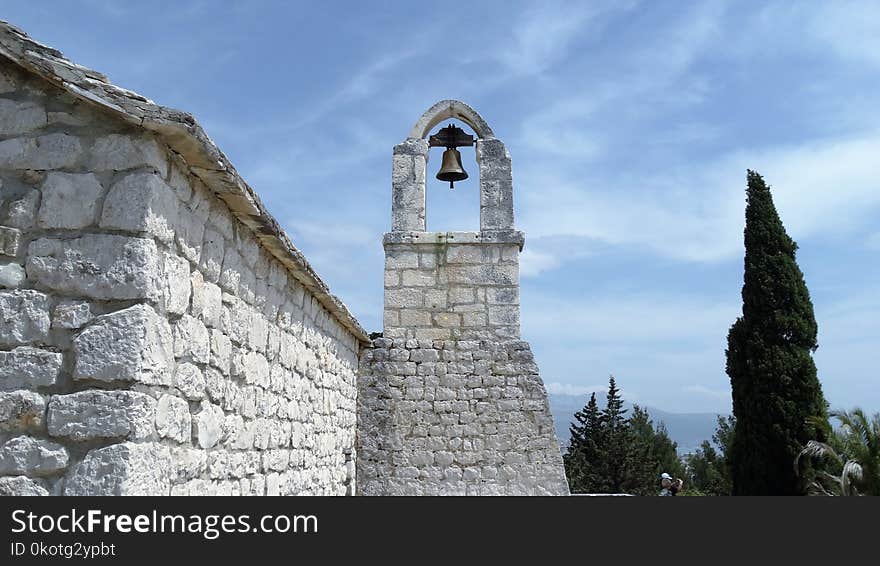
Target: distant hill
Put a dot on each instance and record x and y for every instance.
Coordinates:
(688, 430)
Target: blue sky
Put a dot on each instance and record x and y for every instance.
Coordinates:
(630, 124)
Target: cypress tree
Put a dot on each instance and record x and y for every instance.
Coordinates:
(769, 357)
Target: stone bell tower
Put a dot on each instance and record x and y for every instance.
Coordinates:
(450, 399)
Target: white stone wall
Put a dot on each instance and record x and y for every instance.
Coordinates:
(148, 343)
(455, 417)
(452, 286)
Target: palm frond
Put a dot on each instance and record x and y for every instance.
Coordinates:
(816, 449)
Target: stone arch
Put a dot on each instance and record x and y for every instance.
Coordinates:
(447, 109)
(410, 164)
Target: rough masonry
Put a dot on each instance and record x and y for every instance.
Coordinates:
(161, 335)
(450, 400)
(158, 332)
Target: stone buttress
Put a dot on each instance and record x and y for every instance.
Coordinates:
(450, 401)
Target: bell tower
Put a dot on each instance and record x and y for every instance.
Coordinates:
(450, 398)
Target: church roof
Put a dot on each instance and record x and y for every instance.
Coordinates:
(183, 134)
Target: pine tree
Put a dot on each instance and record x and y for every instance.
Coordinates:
(613, 441)
(640, 476)
(582, 454)
(769, 357)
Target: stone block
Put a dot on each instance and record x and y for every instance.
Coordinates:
(192, 340)
(12, 275)
(207, 425)
(173, 419)
(20, 117)
(211, 260)
(10, 241)
(504, 315)
(132, 344)
(96, 413)
(502, 295)
(401, 259)
(118, 152)
(26, 368)
(122, 469)
(25, 455)
(21, 486)
(207, 300)
(466, 254)
(71, 314)
(221, 351)
(418, 278)
(410, 317)
(404, 298)
(24, 317)
(190, 381)
(177, 284)
(98, 266)
(141, 202)
(22, 411)
(70, 200)
(22, 210)
(52, 151)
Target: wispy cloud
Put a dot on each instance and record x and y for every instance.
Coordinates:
(556, 388)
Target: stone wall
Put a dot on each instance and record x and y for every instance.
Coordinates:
(149, 344)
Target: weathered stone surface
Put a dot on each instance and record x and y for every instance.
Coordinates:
(20, 117)
(25, 367)
(24, 317)
(12, 275)
(21, 411)
(190, 381)
(173, 419)
(10, 241)
(52, 151)
(118, 152)
(21, 486)
(133, 344)
(141, 202)
(71, 314)
(177, 284)
(22, 212)
(122, 469)
(207, 425)
(191, 339)
(7, 83)
(101, 414)
(25, 455)
(207, 303)
(70, 200)
(98, 266)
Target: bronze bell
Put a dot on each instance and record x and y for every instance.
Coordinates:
(451, 169)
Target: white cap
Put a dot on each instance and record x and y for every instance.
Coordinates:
(665, 476)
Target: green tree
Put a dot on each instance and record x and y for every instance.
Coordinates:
(707, 468)
(583, 453)
(776, 394)
(613, 441)
(853, 454)
(650, 452)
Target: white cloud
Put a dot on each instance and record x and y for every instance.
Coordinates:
(542, 35)
(631, 319)
(532, 263)
(556, 388)
(696, 213)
